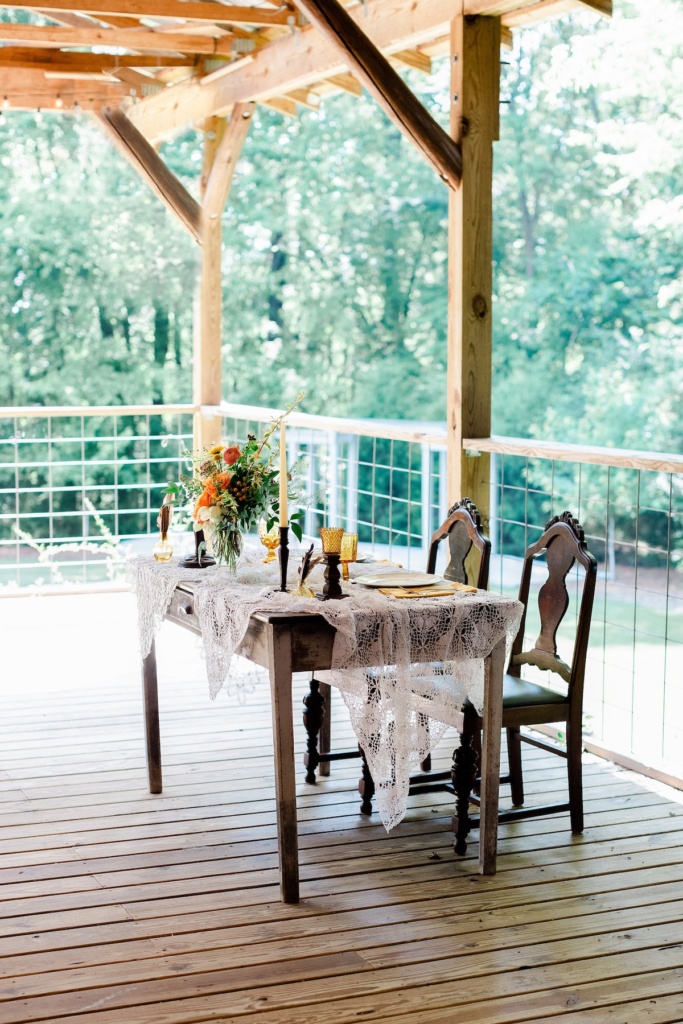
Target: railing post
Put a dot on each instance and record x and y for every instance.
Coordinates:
(475, 87)
(352, 447)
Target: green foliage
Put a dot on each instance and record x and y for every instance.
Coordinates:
(335, 264)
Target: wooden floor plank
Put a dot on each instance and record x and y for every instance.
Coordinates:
(121, 908)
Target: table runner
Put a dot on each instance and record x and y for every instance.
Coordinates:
(383, 655)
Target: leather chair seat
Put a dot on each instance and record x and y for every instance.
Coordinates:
(520, 693)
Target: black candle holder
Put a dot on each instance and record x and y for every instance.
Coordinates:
(200, 559)
(283, 555)
(332, 590)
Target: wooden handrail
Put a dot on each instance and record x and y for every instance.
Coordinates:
(44, 412)
(618, 458)
(364, 428)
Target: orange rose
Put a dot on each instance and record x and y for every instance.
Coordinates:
(231, 455)
(204, 500)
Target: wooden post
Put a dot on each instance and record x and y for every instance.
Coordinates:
(222, 146)
(475, 86)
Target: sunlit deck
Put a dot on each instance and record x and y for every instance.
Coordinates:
(122, 908)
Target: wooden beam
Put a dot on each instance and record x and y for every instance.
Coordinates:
(225, 160)
(144, 85)
(347, 83)
(141, 155)
(414, 59)
(544, 10)
(475, 81)
(222, 148)
(189, 10)
(60, 98)
(128, 39)
(514, 7)
(388, 88)
(51, 60)
(292, 62)
(282, 105)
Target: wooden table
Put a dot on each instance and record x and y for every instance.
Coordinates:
(285, 644)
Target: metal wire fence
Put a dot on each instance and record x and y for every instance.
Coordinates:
(80, 487)
(633, 520)
(383, 481)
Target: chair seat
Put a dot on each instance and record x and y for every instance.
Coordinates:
(520, 693)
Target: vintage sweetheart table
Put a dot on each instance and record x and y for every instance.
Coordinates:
(303, 639)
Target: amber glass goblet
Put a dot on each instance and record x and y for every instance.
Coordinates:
(349, 552)
(269, 538)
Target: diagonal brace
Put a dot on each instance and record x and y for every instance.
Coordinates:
(387, 87)
(142, 156)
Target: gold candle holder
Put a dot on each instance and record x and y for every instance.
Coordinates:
(269, 538)
(331, 537)
(348, 552)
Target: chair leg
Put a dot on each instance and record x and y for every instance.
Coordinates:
(325, 735)
(515, 763)
(426, 765)
(314, 714)
(464, 775)
(575, 776)
(366, 786)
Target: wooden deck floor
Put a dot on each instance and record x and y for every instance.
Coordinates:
(122, 908)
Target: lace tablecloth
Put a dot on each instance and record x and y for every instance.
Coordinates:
(382, 661)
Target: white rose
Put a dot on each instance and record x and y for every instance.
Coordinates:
(215, 513)
(204, 514)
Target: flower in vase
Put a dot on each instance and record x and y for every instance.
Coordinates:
(231, 455)
(232, 487)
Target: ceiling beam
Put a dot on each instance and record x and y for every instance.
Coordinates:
(544, 10)
(191, 10)
(515, 8)
(398, 102)
(141, 155)
(129, 39)
(53, 60)
(29, 90)
(292, 62)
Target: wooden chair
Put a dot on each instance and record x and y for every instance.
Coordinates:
(462, 530)
(528, 703)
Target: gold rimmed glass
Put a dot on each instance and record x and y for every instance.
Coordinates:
(331, 537)
(348, 552)
(269, 538)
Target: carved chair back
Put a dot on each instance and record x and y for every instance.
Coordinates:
(462, 530)
(562, 543)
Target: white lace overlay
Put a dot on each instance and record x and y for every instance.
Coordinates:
(404, 668)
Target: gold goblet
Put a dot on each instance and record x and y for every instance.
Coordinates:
(269, 538)
(349, 552)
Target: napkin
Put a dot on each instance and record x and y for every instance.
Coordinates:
(439, 590)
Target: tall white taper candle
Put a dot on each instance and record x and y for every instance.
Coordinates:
(284, 521)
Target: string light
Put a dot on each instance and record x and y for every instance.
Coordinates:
(5, 104)
(58, 102)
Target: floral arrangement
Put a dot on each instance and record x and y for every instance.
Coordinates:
(232, 487)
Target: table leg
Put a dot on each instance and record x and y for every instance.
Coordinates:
(280, 668)
(150, 696)
(492, 721)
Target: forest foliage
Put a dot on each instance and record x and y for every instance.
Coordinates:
(335, 269)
